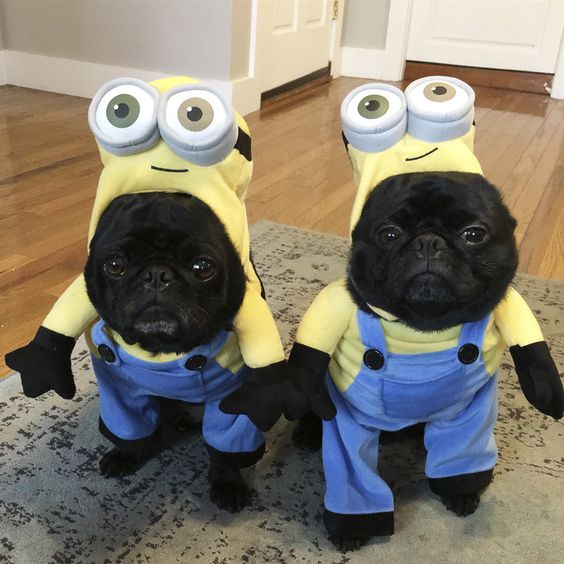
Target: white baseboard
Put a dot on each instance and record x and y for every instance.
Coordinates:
(82, 78)
(557, 90)
(246, 95)
(3, 79)
(65, 76)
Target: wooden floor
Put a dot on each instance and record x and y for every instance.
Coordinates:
(49, 168)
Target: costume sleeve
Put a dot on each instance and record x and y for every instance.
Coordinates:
(257, 332)
(319, 333)
(516, 321)
(327, 318)
(72, 312)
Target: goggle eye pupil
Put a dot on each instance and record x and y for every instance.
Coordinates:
(193, 113)
(372, 105)
(121, 110)
(439, 90)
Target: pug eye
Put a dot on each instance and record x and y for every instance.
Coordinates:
(203, 269)
(439, 108)
(198, 124)
(374, 117)
(123, 116)
(474, 235)
(114, 266)
(389, 235)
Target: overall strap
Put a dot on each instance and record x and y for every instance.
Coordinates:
(470, 343)
(371, 332)
(474, 332)
(208, 350)
(106, 348)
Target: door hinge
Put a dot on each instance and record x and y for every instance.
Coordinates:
(335, 9)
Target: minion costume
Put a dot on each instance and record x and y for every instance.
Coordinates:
(173, 135)
(364, 373)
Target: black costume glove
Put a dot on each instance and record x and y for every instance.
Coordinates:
(308, 367)
(539, 378)
(265, 395)
(45, 364)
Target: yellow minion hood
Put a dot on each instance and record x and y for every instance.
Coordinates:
(429, 128)
(175, 135)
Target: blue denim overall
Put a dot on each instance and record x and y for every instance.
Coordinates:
(128, 387)
(449, 390)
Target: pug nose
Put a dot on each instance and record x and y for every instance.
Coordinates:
(428, 246)
(157, 277)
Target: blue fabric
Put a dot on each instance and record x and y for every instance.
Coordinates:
(128, 387)
(457, 401)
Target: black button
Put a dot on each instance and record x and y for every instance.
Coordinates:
(106, 353)
(468, 353)
(373, 359)
(196, 362)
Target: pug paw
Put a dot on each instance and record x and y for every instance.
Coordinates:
(230, 496)
(461, 504)
(308, 433)
(348, 544)
(116, 463)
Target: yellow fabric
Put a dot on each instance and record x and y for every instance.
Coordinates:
(72, 312)
(257, 332)
(330, 325)
(327, 318)
(516, 321)
(222, 187)
(369, 169)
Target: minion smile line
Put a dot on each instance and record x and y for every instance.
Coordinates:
(422, 156)
(169, 169)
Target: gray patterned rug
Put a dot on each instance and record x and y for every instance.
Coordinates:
(54, 506)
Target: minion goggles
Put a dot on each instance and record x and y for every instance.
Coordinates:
(128, 116)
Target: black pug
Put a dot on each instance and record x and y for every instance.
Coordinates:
(164, 277)
(434, 250)
(457, 286)
(431, 251)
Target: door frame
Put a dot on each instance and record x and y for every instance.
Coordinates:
(247, 91)
(387, 63)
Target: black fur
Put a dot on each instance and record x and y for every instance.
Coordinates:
(429, 276)
(159, 236)
(160, 303)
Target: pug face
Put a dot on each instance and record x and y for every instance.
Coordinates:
(433, 249)
(162, 271)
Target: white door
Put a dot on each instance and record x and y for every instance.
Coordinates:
(294, 40)
(504, 34)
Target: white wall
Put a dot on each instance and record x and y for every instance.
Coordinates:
(374, 38)
(1, 26)
(2, 62)
(3, 78)
(365, 23)
(241, 20)
(166, 36)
